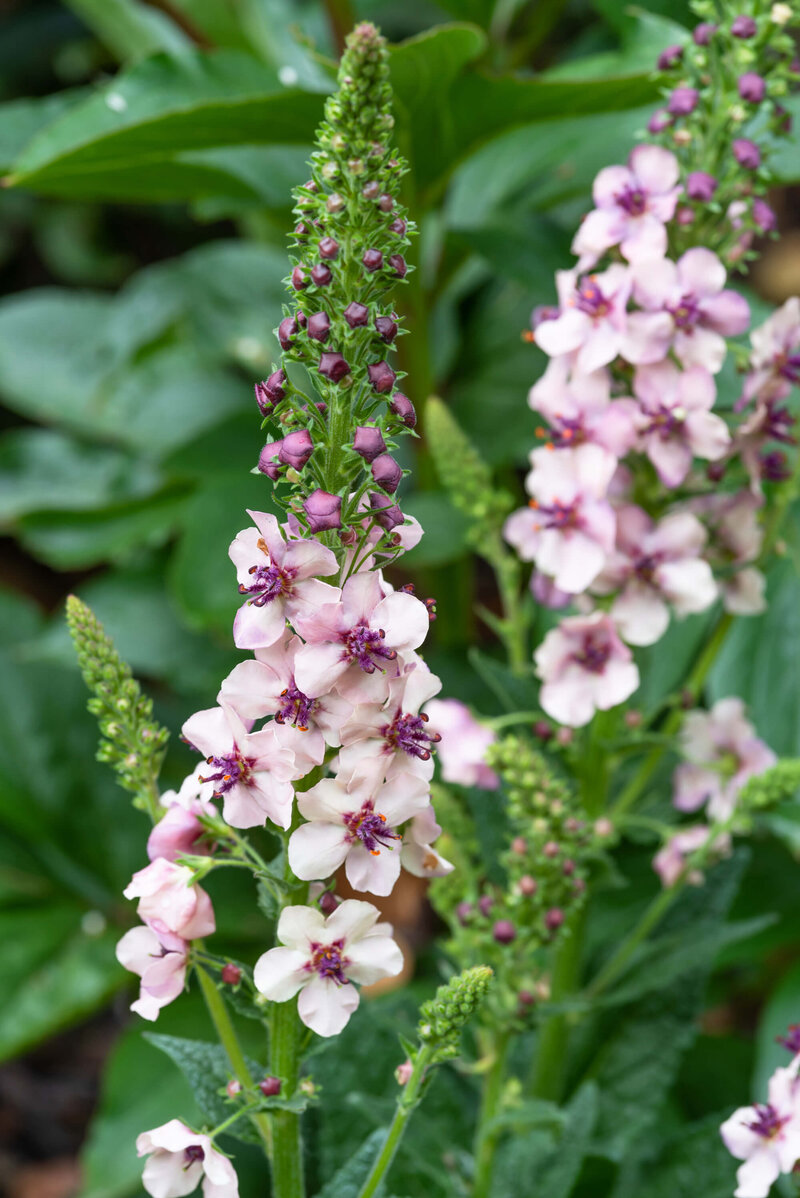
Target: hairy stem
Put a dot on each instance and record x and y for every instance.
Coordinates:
(547, 1079)
(408, 1100)
(486, 1135)
(287, 1155)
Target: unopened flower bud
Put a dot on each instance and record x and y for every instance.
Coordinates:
(700, 186)
(633, 718)
(356, 314)
(551, 849)
(528, 885)
(542, 730)
(485, 903)
(743, 26)
(403, 1073)
(270, 1086)
(323, 510)
(398, 265)
(319, 326)
(781, 14)
(321, 274)
(747, 153)
(388, 517)
(287, 329)
(296, 449)
(386, 472)
(752, 87)
(268, 462)
(403, 408)
(334, 202)
(554, 918)
(368, 442)
(231, 974)
(525, 998)
(328, 247)
(398, 226)
(504, 931)
(299, 278)
(463, 912)
(683, 101)
(764, 217)
(371, 190)
(669, 58)
(443, 1016)
(381, 376)
(386, 203)
(372, 260)
(603, 827)
(270, 392)
(328, 902)
(704, 32)
(233, 1088)
(519, 845)
(333, 366)
(386, 328)
(565, 736)
(659, 121)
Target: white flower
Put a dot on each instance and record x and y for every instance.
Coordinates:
(322, 958)
(179, 1158)
(766, 1136)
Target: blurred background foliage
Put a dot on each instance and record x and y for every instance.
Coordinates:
(148, 149)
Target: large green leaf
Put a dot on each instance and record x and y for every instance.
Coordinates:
(20, 120)
(131, 30)
(207, 1070)
(693, 1161)
(554, 1164)
(347, 1182)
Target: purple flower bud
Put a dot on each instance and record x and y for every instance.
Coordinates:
(372, 259)
(270, 1086)
(704, 32)
(328, 248)
(386, 203)
(319, 326)
(683, 101)
(553, 919)
(669, 58)
(528, 885)
(743, 27)
(398, 226)
(774, 467)
(386, 472)
(403, 408)
(504, 931)
(485, 902)
(369, 442)
(333, 367)
(371, 190)
(388, 517)
(323, 510)
(231, 974)
(381, 376)
(700, 186)
(398, 265)
(266, 460)
(300, 317)
(684, 216)
(752, 87)
(765, 218)
(321, 274)
(300, 230)
(356, 314)
(387, 328)
(747, 153)
(463, 912)
(659, 121)
(299, 278)
(286, 331)
(328, 902)
(271, 391)
(296, 449)
(542, 730)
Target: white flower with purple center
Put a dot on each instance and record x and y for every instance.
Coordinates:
(584, 668)
(418, 854)
(280, 578)
(655, 567)
(676, 422)
(394, 735)
(179, 1159)
(159, 958)
(463, 745)
(323, 958)
(736, 540)
(251, 771)
(592, 318)
(354, 821)
(701, 312)
(722, 751)
(352, 644)
(633, 203)
(775, 360)
(579, 409)
(766, 1136)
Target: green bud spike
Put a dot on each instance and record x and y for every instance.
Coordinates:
(443, 1016)
(131, 742)
(777, 784)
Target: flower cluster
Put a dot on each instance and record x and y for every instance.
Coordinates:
(766, 1136)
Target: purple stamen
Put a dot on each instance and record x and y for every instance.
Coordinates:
(632, 199)
(686, 313)
(791, 1040)
(408, 732)
(328, 961)
(193, 1153)
(369, 826)
(556, 515)
(590, 298)
(296, 708)
(594, 654)
(769, 1122)
(666, 421)
(231, 769)
(363, 644)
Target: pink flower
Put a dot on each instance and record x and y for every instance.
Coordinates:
(280, 579)
(676, 421)
(722, 751)
(569, 528)
(670, 861)
(766, 423)
(352, 643)
(584, 667)
(353, 821)
(178, 831)
(775, 360)
(417, 853)
(251, 770)
(169, 900)
(656, 565)
(463, 746)
(633, 203)
(322, 958)
(159, 958)
(592, 319)
(579, 409)
(267, 686)
(392, 736)
(702, 314)
(736, 539)
(179, 1158)
(766, 1136)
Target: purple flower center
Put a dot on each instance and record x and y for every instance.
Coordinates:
(594, 653)
(327, 960)
(632, 199)
(567, 431)
(266, 582)
(768, 1123)
(231, 769)
(590, 298)
(408, 732)
(369, 826)
(666, 421)
(296, 708)
(686, 313)
(789, 366)
(645, 567)
(779, 424)
(192, 1154)
(362, 645)
(556, 515)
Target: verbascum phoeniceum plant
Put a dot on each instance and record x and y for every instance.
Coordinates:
(655, 494)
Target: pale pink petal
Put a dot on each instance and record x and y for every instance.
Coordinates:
(165, 1175)
(376, 873)
(672, 458)
(618, 682)
(756, 1175)
(688, 584)
(701, 347)
(609, 182)
(403, 618)
(280, 973)
(209, 732)
(325, 1007)
(568, 700)
(707, 434)
(351, 920)
(655, 168)
(316, 850)
(317, 667)
(376, 956)
(259, 626)
(564, 334)
(309, 559)
(701, 272)
(693, 786)
(728, 313)
(641, 613)
(647, 337)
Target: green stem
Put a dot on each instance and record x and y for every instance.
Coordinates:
(233, 1049)
(287, 1155)
(616, 964)
(408, 1100)
(486, 1136)
(548, 1067)
(507, 573)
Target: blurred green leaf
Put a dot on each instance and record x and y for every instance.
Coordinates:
(555, 1165)
(348, 1181)
(693, 1161)
(20, 120)
(781, 1009)
(445, 528)
(207, 1070)
(131, 30)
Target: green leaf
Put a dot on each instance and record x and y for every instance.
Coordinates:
(695, 1161)
(157, 110)
(129, 29)
(555, 1166)
(207, 1070)
(350, 1178)
(781, 1009)
(20, 120)
(445, 538)
(512, 692)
